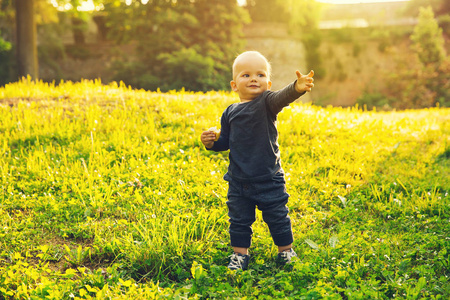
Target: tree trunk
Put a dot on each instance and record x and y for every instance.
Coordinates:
(100, 21)
(78, 32)
(27, 60)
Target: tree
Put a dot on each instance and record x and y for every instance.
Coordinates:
(422, 80)
(177, 37)
(427, 38)
(267, 11)
(5, 48)
(27, 60)
(78, 18)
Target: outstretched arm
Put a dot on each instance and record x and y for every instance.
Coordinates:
(279, 99)
(304, 82)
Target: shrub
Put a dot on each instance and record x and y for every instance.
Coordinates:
(5, 61)
(374, 100)
(427, 38)
(189, 69)
(312, 41)
(198, 40)
(422, 80)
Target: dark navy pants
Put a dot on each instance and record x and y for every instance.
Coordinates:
(271, 198)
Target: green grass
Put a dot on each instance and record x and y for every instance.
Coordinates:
(108, 193)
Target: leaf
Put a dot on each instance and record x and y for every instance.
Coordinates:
(312, 244)
(83, 292)
(421, 283)
(343, 200)
(44, 248)
(333, 241)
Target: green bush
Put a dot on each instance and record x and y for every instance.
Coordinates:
(312, 41)
(370, 101)
(180, 44)
(6, 57)
(189, 69)
(427, 38)
(422, 80)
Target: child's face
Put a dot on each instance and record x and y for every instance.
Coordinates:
(250, 77)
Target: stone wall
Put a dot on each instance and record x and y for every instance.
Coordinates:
(347, 76)
(285, 53)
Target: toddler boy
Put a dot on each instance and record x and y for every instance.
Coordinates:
(255, 176)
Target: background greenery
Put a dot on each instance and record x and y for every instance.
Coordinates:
(191, 45)
(106, 192)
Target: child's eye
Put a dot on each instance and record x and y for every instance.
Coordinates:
(261, 75)
(245, 75)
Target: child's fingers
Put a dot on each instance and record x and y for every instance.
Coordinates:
(208, 136)
(307, 78)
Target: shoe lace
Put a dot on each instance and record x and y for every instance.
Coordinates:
(236, 261)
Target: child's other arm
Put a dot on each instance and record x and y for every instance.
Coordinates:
(217, 142)
(211, 142)
(208, 137)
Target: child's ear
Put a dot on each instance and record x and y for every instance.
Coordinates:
(269, 85)
(233, 85)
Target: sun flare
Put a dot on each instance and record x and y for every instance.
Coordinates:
(357, 1)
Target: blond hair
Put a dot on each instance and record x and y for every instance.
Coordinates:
(243, 54)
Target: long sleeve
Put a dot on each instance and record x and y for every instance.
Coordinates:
(248, 130)
(223, 143)
(282, 98)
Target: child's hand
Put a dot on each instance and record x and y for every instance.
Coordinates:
(208, 137)
(304, 82)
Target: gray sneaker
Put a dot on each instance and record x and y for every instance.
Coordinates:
(286, 256)
(238, 261)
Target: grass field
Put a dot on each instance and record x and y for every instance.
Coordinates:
(107, 193)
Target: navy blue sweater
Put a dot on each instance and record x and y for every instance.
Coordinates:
(249, 130)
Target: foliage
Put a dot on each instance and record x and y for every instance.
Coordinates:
(107, 192)
(421, 77)
(5, 61)
(51, 48)
(422, 80)
(78, 18)
(311, 40)
(342, 35)
(164, 30)
(303, 14)
(420, 86)
(268, 11)
(188, 68)
(304, 22)
(6, 48)
(427, 38)
(4, 45)
(374, 100)
(441, 7)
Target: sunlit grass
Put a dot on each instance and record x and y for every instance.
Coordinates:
(104, 186)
